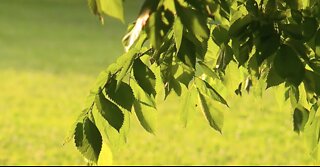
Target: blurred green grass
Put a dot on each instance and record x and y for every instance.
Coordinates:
(50, 53)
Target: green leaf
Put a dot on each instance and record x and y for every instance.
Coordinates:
(239, 26)
(187, 53)
(193, 21)
(273, 79)
(142, 96)
(300, 118)
(220, 35)
(109, 111)
(317, 43)
(313, 135)
(113, 8)
(105, 158)
(209, 72)
(267, 47)
(123, 96)
(189, 102)
(88, 140)
(294, 96)
(213, 115)
(125, 63)
(207, 90)
(225, 57)
(146, 116)
(144, 76)
(296, 15)
(110, 135)
(312, 82)
(178, 32)
(252, 7)
(144, 107)
(292, 30)
(309, 27)
(288, 65)
(159, 86)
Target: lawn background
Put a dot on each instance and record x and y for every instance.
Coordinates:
(50, 53)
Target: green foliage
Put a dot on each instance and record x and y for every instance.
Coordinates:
(269, 41)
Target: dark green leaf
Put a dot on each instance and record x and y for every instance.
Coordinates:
(288, 65)
(294, 96)
(187, 52)
(297, 16)
(220, 35)
(273, 78)
(317, 43)
(109, 111)
(267, 46)
(300, 118)
(292, 30)
(123, 96)
(240, 25)
(252, 7)
(312, 82)
(144, 76)
(309, 27)
(88, 140)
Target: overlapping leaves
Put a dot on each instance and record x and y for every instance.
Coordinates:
(187, 46)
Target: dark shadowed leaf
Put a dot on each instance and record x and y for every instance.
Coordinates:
(144, 76)
(300, 118)
(288, 65)
(109, 111)
(273, 79)
(88, 140)
(123, 96)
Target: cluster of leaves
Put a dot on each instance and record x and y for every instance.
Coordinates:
(187, 47)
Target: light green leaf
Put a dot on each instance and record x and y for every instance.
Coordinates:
(189, 102)
(178, 32)
(109, 111)
(207, 90)
(125, 62)
(193, 21)
(113, 8)
(105, 158)
(88, 140)
(147, 116)
(212, 114)
(209, 72)
(159, 86)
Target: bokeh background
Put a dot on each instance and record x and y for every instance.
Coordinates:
(51, 51)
